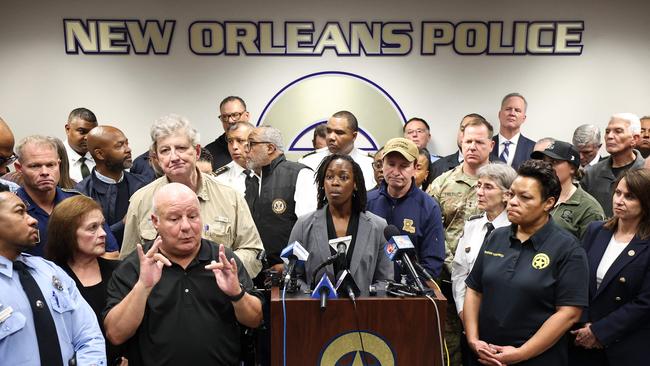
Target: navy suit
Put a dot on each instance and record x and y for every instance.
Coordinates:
(522, 152)
(619, 309)
(442, 165)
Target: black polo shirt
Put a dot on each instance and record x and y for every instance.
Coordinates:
(523, 283)
(188, 320)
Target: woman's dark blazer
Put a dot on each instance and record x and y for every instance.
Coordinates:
(369, 263)
(620, 308)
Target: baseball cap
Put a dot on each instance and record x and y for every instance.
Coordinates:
(559, 150)
(406, 147)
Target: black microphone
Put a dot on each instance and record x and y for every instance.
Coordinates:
(327, 262)
(396, 248)
(345, 286)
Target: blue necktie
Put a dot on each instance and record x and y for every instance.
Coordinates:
(504, 155)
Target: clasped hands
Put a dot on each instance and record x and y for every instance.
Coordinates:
(491, 354)
(585, 337)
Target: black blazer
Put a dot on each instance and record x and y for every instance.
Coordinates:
(620, 308)
(442, 165)
(522, 152)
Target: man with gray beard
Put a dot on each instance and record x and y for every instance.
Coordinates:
(286, 191)
(109, 183)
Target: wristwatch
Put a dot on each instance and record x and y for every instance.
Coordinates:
(239, 295)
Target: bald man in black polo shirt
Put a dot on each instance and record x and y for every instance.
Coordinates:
(183, 301)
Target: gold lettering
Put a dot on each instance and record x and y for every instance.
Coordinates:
(110, 41)
(297, 36)
(361, 36)
(76, 35)
(566, 33)
(152, 36)
(243, 34)
(332, 37)
(436, 34)
(206, 38)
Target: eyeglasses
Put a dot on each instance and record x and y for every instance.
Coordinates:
(378, 164)
(418, 131)
(235, 116)
(8, 160)
(253, 143)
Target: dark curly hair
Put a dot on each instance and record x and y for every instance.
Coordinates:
(544, 174)
(358, 197)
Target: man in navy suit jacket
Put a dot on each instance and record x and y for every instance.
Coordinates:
(510, 146)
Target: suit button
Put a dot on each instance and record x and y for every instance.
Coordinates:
(621, 280)
(617, 298)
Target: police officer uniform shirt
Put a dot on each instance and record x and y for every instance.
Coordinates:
(470, 243)
(76, 323)
(523, 283)
(233, 175)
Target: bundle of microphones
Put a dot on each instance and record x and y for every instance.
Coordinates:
(397, 249)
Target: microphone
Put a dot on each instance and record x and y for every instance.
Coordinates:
(397, 247)
(325, 290)
(341, 244)
(293, 254)
(346, 285)
(328, 261)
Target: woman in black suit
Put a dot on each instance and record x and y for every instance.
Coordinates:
(616, 325)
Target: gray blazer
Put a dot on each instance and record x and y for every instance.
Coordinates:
(369, 263)
(599, 178)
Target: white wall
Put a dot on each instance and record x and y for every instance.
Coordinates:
(41, 83)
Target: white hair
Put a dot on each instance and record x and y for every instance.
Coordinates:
(171, 124)
(632, 119)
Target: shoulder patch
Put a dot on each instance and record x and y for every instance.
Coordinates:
(474, 217)
(221, 170)
(309, 154)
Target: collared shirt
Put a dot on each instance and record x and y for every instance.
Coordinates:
(13, 187)
(75, 164)
(455, 192)
(595, 160)
(522, 284)
(577, 212)
(187, 320)
(364, 160)
(511, 148)
(106, 179)
(76, 323)
(468, 247)
(43, 218)
(224, 213)
(234, 177)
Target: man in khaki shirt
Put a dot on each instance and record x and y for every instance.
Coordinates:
(226, 217)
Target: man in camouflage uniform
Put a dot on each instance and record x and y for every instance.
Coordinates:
(455, 191)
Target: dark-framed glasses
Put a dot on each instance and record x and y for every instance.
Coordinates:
(8, 160)
(235, 116)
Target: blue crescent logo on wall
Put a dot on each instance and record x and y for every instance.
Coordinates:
(346, 350)
(310, 100)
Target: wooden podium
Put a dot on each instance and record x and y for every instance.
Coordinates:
(402, 331)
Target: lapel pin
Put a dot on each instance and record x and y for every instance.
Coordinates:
(57, 283)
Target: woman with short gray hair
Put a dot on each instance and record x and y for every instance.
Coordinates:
(494, 181)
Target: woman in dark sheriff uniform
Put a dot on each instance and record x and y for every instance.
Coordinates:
(615, 328)
(529, 283)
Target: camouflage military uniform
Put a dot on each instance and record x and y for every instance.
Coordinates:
(455, 191)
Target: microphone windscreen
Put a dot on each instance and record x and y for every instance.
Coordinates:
(390, 231)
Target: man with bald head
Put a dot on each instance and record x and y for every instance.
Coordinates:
(181, 299)
(109, 183)
(7, 155)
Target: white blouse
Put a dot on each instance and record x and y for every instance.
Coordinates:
(614, 249)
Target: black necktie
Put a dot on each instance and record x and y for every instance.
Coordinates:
(84, 168)
(489, 227)
(48, 341)
(252, 189)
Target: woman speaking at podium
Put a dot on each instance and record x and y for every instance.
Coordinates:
(342, 212)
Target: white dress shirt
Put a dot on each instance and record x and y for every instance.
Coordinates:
(234, 177)
(360, 157)
(467, 250)
(511, 149)
(595, 161)
(75, 164)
